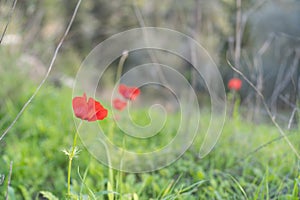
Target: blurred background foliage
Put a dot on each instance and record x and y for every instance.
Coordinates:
(269, 32)
(259, 38)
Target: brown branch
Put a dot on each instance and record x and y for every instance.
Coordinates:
(48, 72)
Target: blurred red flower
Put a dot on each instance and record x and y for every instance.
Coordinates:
(90, 110)
(119, 104)
(235, 84)
(127, 92)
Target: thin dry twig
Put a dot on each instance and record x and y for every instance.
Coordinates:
(291, 118)
(280, 75)
(9, 179)
(250, 11)
(258, 65)
(142, 24)
(241, 21)
(8, 20)
(2, 177)
(265, 145)
(48, 72)
(238, 34)
(283, 134)
(285, 100)
(285, 80)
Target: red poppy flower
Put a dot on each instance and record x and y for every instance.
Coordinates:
(90, 110)
(235, 84)
(130, 93)
(119, 104)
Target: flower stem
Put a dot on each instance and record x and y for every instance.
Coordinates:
(120, 65)
(69, 176)
(110, 169)
(71, 155)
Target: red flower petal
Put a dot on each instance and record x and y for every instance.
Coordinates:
(90, 110)
(80, 106)
(100, 111)
(130, 93)
(235, 84)
(119, 104)
(101, 114)
(95, 110)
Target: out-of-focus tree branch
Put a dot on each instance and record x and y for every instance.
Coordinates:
(238, 34)
(141, 21)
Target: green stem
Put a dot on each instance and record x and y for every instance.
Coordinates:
(69, 177)
(72, 154)
(111, 173)
(111, 131)
(120, 65)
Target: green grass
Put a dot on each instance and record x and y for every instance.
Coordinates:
(233, 170)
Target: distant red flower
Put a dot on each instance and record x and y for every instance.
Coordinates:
(90, 110)
(119, 104)
(235, 84)
(127, 92)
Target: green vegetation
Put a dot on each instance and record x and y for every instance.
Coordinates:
(233, 170)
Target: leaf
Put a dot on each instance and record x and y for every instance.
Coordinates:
(109, 188)
(24, 192)
(192, 187)
(167, 190)
(295, 190)
(48, 195)
(135, 196)
(105, 192)
(11, 193)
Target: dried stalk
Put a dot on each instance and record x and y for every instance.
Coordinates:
(291, 118)
(258, 65)
(9, 179)
(153, 58)
(238, 34)
(278, 81)
(47, 74)
(8, 20)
